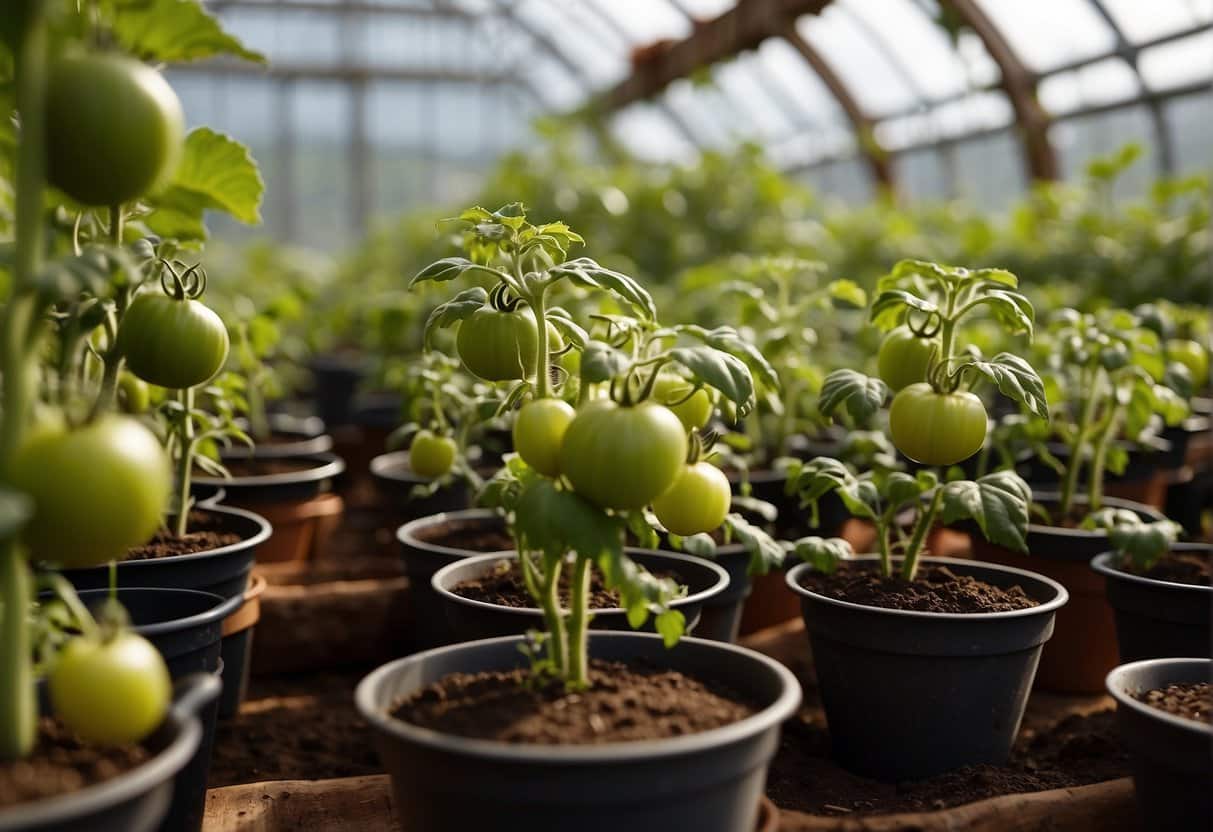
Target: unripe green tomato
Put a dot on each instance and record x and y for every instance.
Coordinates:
(903, 358)
(623, 457)
(134, 396)
(110, 693)
(695, 411)
(937, 428)
(97, 490)
(114, 128)
(1193, 356)
(498, 346)
(539, 432)
(175, 343)
(431, 455)
(697, 502)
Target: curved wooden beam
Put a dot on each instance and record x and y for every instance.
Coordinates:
(1019, 83)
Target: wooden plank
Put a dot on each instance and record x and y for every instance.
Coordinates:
(363, 804)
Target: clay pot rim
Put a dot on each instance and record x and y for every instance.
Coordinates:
(406, 534)
(1117, 688)
(1059, 600)
(379, 717)
(329, 465)
(1105, 564)
(439, 577)
(249, 612)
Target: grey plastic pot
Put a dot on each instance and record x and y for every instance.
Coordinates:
(395, 481)
(422, 558)
(1171, 757)
(708, 782)
(911, 694)
(471, 620)
(136, 801)
(1158, 619)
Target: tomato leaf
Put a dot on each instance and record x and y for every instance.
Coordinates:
(1011, 309)
(449, 268)
(1142, 542)
(601, 362)
(890, 307)
(766, 553)
(173, 31)
(462, 306)
(847, 292)
(586, 272)
(1017, 380)
(216, 173)
(718, 369)
(729, 340)
(555, 521)
(997, 502)
(824, 553)
(860, 396)
(565, 325)
(670, 624)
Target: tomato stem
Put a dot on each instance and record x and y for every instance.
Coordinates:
(1099, 457)
(577, 674)
(185, 461)
(1069, 482)
(909, 566)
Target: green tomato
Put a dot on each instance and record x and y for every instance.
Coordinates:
(937, 428)
(623, 457)
(97, 490)
(1193, 356)
(670, 390)
(431, 455)
(697, 502)
(903, 358)
(114, 128)
(113, 692)
(498, 346)
(134, 396)
(170, 342)
(539, 431)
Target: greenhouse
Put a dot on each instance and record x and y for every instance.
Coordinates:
(585, 415)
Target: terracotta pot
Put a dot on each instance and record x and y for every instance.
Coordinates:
(1083, 649)
(770, 603)
(237, 647)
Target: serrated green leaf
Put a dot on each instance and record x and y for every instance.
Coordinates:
(216, 173)
(729, 340)
(556, 522)
(586, 272)
(766, 553)
(173, 31)
(718, 369)
(601, 362)
(860, 396)
(1141, 541)
(670, 624)
(998, 503)
(1017, 380)
(890, 307)
(568, 329)
(823, 553)
(458, 308)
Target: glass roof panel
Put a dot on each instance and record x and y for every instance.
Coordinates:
(746, 91)
(1141, 21)
(649, 134)
(703, 9)
(1048, 34)
(599, 61)
(875, 83)
(811, 104)
(1179, 62)
(912, 41)
(1104, 82)
(645, 20)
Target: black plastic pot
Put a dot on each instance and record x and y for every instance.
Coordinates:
(1143, 464)
(1158, 619)
(303, 435)
(471, 620)
(707, 782)
(911, 694)
(1180, 435)
(1170, 756)
(335, 379)
(423, 558)
(223, 571)
(277, 488)
(136, 801)
(792, 521)
(720, 617)
(395, 481)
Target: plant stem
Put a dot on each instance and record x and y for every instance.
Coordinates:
(578, 674)
(909, 566)
(543, 378)
(886, 560)
(18, 699)
(1070, 481)
(185, 462)
(1099, 458)
(557, 641)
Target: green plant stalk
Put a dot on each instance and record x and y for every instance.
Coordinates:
(258, 422)
(578, 671)
(1069, 482)
(557, 637)
(909, 566)
(543, 379)
(21, 333)
(882, 539)
(185, 462)
(1099, 457)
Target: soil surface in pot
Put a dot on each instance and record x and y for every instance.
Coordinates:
(470, 535)
(205, 531)
(61, 764)
(1193, 700)
(625, 702)
(1077, 751)
(505, 587)
(936, 589)
(1180, 568)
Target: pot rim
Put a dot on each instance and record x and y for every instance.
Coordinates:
(1104, 564)
(616, 752)
(1059, 600)
(1047, 496)
(220, 609)
(161, 768)
(406, 534)
(330, 465)
(721, 584)
(264, 530)
(1115, 684)
(394, 465)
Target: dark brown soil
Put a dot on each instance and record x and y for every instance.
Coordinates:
(471, 535)
(1191, 701)
(505, 587)
(1182, 568)
(205, 531)
(625, 703)
(1077, 751)
(62, 764)
(267, 467)
(936, 589)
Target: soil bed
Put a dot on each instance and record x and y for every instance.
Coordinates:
(1193, 700)
(62, 764)
(471, 535)
(1077, 751)
(936, 589)
(1181, 568)
(206, 531)
(505, 587)
(626, 702)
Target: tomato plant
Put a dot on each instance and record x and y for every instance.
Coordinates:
(115, 128)
(431, 455)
